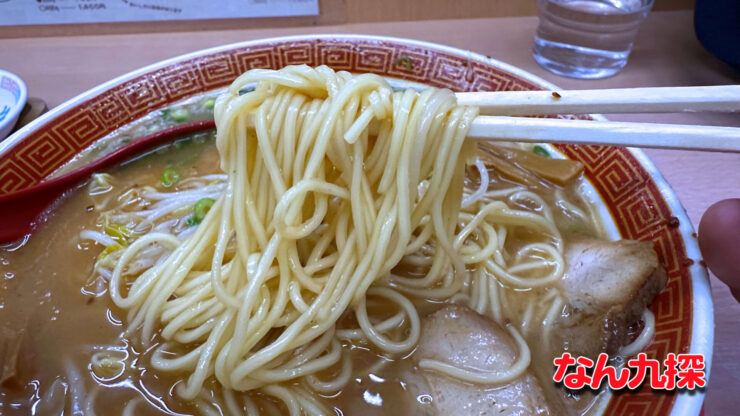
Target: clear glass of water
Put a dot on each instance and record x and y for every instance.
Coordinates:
(587, 38)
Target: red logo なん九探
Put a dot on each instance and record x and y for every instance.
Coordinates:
(679, 371)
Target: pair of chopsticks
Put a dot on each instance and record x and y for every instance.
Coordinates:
(498, 108)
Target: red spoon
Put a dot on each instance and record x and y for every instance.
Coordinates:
(21, 211)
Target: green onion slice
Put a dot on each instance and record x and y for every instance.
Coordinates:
(180, 115)
(169, 177)
(108, 250)
(539, 150)
(200, 209)
(120, 233)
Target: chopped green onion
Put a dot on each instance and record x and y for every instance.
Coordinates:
(209, 103)
(539, 150)
(126, 141)
(120, 233)
(404, 59)
(110, 249)
(169, 177)
(245, 90)
(180, 115)
(200, 209)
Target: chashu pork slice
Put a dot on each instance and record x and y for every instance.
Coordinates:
(607, 286)
(459, 336)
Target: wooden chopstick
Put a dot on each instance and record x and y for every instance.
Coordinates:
(724, 98)
(665, 136)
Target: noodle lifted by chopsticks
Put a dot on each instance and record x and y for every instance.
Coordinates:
(315, 215)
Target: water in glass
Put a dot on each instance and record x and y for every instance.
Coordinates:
(587, 38)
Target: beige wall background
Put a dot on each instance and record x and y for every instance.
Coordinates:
(332, 12)
(389, 10)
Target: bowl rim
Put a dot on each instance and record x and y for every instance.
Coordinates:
(16, 109)
(702, 325)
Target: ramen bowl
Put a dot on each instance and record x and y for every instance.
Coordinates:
(634, 201)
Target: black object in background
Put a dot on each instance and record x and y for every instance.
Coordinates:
(717, 25)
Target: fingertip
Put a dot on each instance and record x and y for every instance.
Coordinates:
(719, 241)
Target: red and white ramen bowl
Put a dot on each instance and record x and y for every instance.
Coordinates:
(634, 200)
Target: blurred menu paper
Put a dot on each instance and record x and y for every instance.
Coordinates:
(49, 12)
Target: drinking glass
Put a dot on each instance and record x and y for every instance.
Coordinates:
(587, 38)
